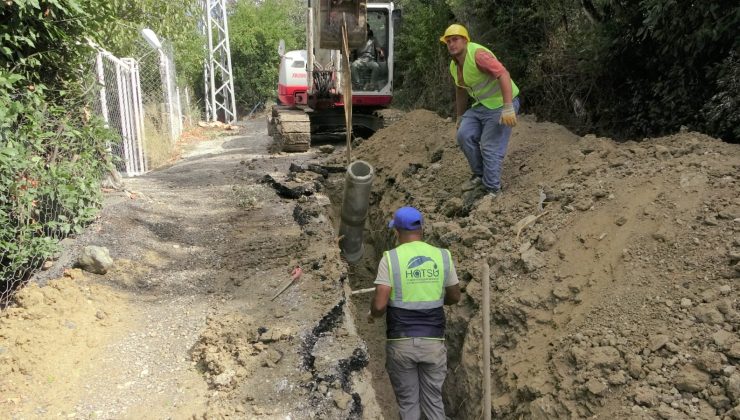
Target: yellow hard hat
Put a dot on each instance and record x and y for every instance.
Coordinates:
(455, 29)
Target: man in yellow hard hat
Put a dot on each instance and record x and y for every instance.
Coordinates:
(484, 129)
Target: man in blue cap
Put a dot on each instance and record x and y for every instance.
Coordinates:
(413, 283)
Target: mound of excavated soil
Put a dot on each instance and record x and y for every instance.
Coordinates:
(614, 268)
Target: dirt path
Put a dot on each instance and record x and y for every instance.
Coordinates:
(183, 325)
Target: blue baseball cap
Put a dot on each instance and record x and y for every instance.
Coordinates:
(406, 218)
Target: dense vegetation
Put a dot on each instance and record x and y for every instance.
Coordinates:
(255, 29)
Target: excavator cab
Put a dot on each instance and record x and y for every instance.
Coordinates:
(369, 62)
(312, 82)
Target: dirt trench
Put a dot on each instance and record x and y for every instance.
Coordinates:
(614, 270)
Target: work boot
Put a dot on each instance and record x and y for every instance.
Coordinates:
(470, 197)
(473, 182)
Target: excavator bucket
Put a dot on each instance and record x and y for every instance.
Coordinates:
(330, 17)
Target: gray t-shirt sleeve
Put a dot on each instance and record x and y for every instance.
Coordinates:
(382, 276)
(452, 279)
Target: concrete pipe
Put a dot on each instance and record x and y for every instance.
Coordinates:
(355, 205)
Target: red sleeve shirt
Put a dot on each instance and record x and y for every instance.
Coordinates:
(487, 63)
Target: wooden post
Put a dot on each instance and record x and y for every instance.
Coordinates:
(347, 87)
(485, 280)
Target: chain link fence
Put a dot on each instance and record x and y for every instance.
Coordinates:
(146, 107)
(140, 102)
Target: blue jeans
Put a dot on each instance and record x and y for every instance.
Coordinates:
(484, 141)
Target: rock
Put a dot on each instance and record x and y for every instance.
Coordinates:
(634, 367)
(672, 347)
(620, 221)
(342, 399)
(691, 379)
(224, 379)
(655, 364)
(475, 233)
(561, 292)
(596, 387)
(603, 357)
(667, 413)
(449, 238)
(274, 356)
(545, 408)
(709, 361)
(617, 378)
(685, 303)
(452, 207)
(732, 388)
(719, 401)
(734, 414)
(657, 342)
(662, 152)
(725, 290)
(532, 260)
(708, 314)
(545, 241)
(584, 204)
(724, 339)
(734, 351)
(95, 259)
(327, 149)
(645, 396)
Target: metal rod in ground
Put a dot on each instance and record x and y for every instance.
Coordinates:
(283, 289)
(485, 280)
(360, 291)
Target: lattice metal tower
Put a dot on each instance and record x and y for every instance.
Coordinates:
(219, 83)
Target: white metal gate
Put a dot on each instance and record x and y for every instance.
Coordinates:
(122, 110)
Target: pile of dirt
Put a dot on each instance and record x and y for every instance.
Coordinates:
(614, 268)
(70, 315)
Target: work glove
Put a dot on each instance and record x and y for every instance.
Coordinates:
(508, 115)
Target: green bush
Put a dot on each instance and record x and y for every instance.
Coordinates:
(52, 155)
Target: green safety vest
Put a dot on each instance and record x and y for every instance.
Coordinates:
(418, 271)
(481, 86)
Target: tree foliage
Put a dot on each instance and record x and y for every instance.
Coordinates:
(174, 22)
(625, 68)
(255, 29)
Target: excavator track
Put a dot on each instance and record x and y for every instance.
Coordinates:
(290, 129)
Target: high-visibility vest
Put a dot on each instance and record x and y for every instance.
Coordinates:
(417, 272)
(482, 87)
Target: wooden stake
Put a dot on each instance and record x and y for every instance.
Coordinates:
(347, 87)
(485, 280)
